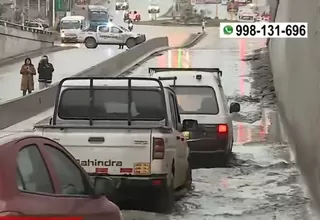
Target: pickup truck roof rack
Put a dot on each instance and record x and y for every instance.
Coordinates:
(91, 86)
(153, 70)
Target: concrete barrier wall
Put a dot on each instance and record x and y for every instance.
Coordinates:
(20, 109)
(14, 41)
(296, 69)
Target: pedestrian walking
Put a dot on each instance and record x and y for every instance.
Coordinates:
(45, 70)
(27, 71)
(203, 24)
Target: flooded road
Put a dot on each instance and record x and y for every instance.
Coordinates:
(261, 182)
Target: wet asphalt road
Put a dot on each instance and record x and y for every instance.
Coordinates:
(261, 182)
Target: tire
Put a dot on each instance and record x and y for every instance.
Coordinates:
(188, 183)
(131, 42)
(164, 200)
(90, 43)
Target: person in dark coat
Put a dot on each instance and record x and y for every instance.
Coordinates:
(45, 70)
(27, 71)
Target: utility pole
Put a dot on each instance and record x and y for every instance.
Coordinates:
(217, 11)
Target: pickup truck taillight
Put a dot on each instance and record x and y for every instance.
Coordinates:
(158, 148)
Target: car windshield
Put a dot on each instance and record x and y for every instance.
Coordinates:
(111, 104)
(70, 25)
(99, 16)
(197, 100)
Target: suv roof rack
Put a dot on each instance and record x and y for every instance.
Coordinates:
(153, 70)
(91, 87)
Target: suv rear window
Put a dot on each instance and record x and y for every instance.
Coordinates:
(197, 100)
(111, 104)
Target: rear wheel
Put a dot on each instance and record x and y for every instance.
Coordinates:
(90, 43)
(131, 42)
(164, 199)
(188, 184)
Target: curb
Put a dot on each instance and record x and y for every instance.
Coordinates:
(32, 54)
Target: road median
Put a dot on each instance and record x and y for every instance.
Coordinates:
(20, 109)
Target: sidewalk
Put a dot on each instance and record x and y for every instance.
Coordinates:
(66, 63)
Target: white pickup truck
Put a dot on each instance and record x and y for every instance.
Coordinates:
(110, 35)
(125, 128)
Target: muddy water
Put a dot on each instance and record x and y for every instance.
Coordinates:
(261, 182)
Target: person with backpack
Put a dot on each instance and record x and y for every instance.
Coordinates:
(45, 70)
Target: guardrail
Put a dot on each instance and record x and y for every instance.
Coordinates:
(23, 28)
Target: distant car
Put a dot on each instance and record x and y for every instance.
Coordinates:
(248, 14)
(35, 25)
(206, 115)
(110, 35)
(122, 5)
(131, 15)
(154, 8)
(38, 171)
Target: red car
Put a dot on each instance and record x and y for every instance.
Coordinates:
(38, 177)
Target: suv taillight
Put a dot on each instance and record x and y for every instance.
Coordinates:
(10, 213)
(158, 148)
(222, 129)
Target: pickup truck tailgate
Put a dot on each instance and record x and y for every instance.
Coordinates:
(114, 151)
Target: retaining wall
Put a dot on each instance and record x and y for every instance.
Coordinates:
(296, 69)
(16, 39)
(20, 109)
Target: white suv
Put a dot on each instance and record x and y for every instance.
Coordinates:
(201, 98)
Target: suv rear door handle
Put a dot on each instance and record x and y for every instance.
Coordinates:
(96, 139)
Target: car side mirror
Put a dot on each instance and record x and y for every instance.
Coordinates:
(189, 125)
(234, 107)
(104, 186)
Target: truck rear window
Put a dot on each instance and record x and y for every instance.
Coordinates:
(197, 100)
(111, 104)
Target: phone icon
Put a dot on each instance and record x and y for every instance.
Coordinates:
(228, 29)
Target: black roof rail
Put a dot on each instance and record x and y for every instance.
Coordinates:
(174, 78)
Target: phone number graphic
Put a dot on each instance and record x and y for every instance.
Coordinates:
(263, 30)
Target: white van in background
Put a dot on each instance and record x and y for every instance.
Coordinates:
(71, 26)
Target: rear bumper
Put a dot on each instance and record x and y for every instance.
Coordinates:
(137, 187)
(207, 146)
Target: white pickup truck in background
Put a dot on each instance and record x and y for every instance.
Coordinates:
(128, 129)
(110, 35)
